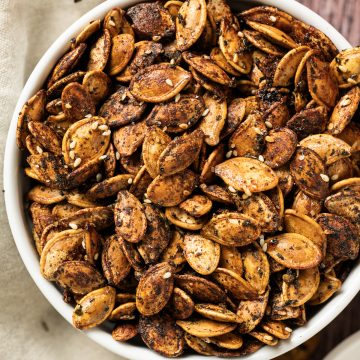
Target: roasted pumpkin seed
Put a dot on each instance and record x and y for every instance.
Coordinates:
(172, 190)
(94, 308)
(180, 153)
(154, 289)
(130, 219)
(182, 305)
(302, 288)
(251, 312)
(246, 174)
(231, 229)
(205, 328)
(213, 119)
(158, 83)
(151, 20)
(124, 331)
(216, 312)
(190, 23)
(293, 250)
(202, 254)
(309, 173)
(114, 262)
(79, 277)
(179, 115)
(161, 334)
(237, 286)
(157, 236)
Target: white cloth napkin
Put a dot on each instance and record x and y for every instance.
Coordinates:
(30, 329)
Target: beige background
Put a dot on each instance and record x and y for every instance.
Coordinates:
(29, 327)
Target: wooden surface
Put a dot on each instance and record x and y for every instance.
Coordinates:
(344, 15)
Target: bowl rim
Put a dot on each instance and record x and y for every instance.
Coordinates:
(14, 186)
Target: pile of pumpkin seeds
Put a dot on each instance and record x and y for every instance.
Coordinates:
(195, 174)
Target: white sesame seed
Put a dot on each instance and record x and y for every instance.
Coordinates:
(330, 126)
(262, 240)
(85, 257)
(240, 34)
(205, 112)
(83, 244)
(207, 57)
(156, 38)
(268, 124)
(351, 81)
(95, 125)
(112, 23)
(264, 247)
(269, 139)
(73, 226)
(345, 102)
(261, 158)
(72, 144)
(301, 157)
(258, 131)
(148, 52)
(145, 195)
(96, 256)
(172, 61)
(37, 166)
(232, 146)
(77, 162)
(147, 201)
(334, 177)
(117, 155)
(235, 58)
(244, 196)
(167, 275)
(324, 177)
(72, 154)
(169, 82)
(268, 337)
(177, 97)
(287, 329)
(235, 153)
(88, 116)
(247, 191)
(183, 126)
(130, 180)
(228, 154)
(164, 128)
(103, 127)
(272, 18)
(232, 189)
(68, 106)
(106, 133)
(312, 213)
(98, 177)
(342, 68)
(123, 96)
(102, 157)
(280, 228)
(39, 149)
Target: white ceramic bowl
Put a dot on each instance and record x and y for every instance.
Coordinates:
(16, 184)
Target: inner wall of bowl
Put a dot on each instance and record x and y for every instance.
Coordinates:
(16, 186)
